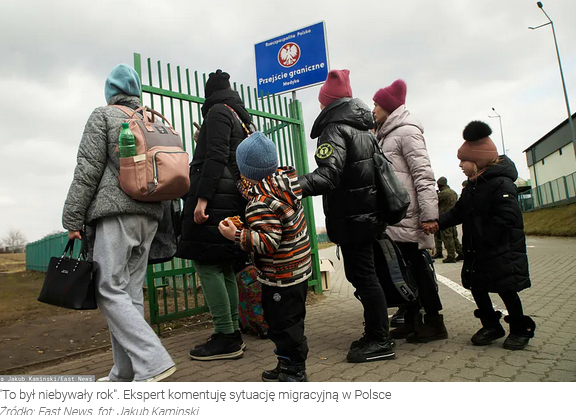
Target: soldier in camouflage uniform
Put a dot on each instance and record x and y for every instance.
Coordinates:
(446, 200)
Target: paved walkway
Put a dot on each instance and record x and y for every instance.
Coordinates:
(335, 321)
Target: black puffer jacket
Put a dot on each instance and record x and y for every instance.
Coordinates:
(213, 175)
(345, 173)
(493, 238)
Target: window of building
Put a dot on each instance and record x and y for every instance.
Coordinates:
(560, 151)
(543, 162)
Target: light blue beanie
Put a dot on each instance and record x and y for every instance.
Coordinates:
(256, 157)
(123, 79)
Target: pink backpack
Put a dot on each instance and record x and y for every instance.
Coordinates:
(159, 170)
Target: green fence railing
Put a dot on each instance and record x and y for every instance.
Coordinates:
(561, 190)
(38, 253)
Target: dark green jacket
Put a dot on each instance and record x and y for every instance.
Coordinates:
(446, 198)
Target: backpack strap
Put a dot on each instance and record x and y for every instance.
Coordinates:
(241, 122)
(396, 270)
(147, 120)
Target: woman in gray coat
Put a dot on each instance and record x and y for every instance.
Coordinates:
(124, 230)
(401, 138)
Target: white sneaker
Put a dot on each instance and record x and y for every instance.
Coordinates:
(167, 373)
(104, 379)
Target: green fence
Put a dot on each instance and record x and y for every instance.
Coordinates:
(561, 190)
(38, 253)
(173, 288)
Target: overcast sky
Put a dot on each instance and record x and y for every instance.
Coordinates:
(459, 59)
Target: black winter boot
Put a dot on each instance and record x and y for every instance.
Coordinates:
(521, 331)
(286, 371)
(491, 328)
(433, 329)
(412, 323)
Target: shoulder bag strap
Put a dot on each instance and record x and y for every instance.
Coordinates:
(241, 122)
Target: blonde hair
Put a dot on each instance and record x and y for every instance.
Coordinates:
(477, 172)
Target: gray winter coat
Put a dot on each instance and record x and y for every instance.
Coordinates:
(95, 191)
(402, 141)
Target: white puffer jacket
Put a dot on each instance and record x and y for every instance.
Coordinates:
(401, 139)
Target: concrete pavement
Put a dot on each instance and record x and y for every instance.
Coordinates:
(336, 320)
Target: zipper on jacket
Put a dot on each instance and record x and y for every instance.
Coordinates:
(155, 165)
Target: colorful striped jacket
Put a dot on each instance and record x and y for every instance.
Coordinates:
(276, 233)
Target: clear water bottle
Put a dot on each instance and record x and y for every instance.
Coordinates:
(126, 142)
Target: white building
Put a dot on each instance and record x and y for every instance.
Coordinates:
(552, 164)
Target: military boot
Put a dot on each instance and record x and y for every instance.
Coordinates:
(432, 329)
(491, 328)
(521, 331)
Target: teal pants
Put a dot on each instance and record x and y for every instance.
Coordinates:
(221, 294)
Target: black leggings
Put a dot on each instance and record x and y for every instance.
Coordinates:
(511, 301)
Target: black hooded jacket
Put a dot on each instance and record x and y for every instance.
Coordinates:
(345, 173)
(213, 176)
(493, 237)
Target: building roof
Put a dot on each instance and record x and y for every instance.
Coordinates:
(551, 132)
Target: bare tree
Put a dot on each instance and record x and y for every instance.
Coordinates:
(52, 233)
(15, 241)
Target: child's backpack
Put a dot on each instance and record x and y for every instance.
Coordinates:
(159, 170)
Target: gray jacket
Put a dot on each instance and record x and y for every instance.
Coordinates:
(95, 191)
(402, 141)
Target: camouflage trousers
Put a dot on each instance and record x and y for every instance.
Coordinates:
(451, 242)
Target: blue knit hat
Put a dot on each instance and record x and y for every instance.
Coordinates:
(123, 79)
(256, 157)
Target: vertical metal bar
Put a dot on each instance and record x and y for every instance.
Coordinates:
(257, 109)
(182, 125)
(185, 290)
(302, 168)
(192, 143)
(249, 97)
(160, 86)
(171, 99)
(175, 289)
(198, 108)
(286, 131)
(149, 62)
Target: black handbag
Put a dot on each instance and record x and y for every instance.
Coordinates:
(70, 283)
(395, 197)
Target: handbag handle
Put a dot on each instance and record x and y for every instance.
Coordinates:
(70, 247)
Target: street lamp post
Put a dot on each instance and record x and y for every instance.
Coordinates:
(551, 23)
(501, 131)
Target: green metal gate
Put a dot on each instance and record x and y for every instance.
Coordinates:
(173, 288)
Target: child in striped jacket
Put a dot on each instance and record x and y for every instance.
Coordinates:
(277, 237)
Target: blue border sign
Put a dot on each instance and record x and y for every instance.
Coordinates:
(292, 61)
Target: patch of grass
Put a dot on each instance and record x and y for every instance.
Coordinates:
(554, 221)
(18, 298)
(323, 245)
(12, 262)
